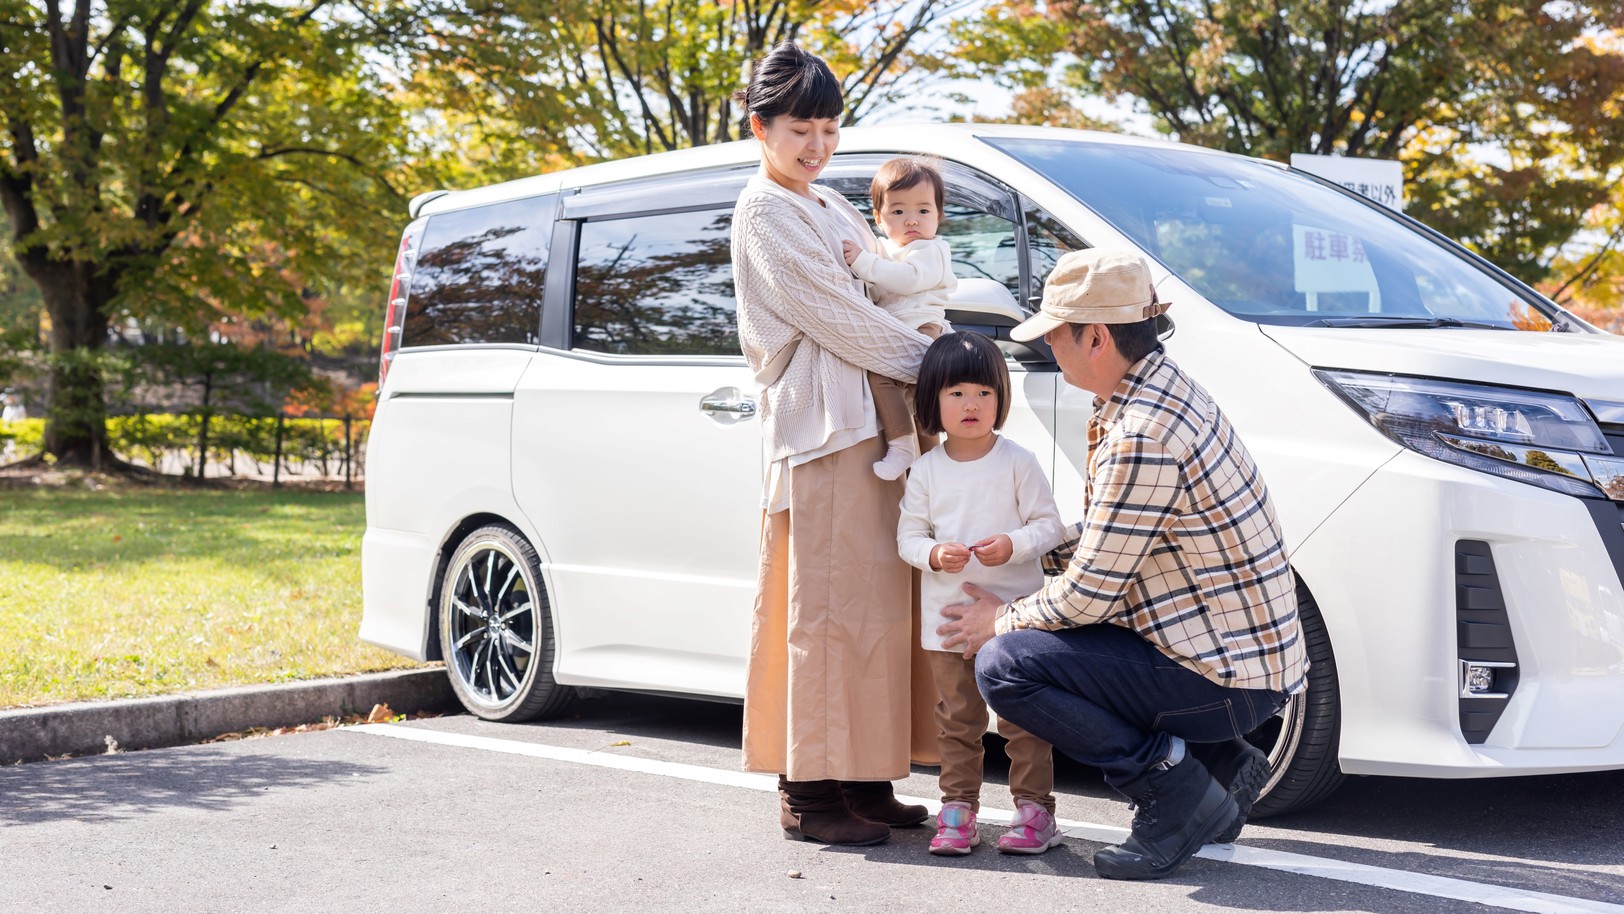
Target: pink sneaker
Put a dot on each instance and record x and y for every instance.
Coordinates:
(1032, 832)
(956, 830)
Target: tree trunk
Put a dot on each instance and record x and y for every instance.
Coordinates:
(76, 295)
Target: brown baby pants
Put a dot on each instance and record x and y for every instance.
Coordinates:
(893, 400)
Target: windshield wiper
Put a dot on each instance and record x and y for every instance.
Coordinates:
(1402, 322)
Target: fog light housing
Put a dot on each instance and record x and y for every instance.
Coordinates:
(1478, 678)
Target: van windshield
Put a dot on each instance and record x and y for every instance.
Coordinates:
(1276, 247)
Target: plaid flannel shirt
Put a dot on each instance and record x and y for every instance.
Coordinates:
(1178, 542)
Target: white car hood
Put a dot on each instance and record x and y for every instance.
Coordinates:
(1588, 365)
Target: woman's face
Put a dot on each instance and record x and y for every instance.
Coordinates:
(795, 150)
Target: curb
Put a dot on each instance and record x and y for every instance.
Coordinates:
(84, 728)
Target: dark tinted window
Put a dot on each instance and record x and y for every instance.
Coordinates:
(479, 276)
(656, 285)
(1046, 240)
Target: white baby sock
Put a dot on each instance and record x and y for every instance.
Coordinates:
(901, 455)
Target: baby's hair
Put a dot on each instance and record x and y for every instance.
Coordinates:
(966, 357)
(902, 173)
(791, 80)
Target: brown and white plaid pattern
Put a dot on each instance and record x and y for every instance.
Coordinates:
(1179, 541)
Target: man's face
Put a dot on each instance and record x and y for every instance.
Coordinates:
(1070, 354)
(1083, 357)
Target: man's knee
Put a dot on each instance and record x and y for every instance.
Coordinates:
(999, 672)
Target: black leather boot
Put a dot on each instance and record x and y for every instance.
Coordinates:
(816, 811)
(876, 801)
(1243, 769)
(1176, 810)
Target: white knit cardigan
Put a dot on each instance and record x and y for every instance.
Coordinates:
(805, 327)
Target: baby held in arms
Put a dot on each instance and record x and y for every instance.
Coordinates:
(912, 282)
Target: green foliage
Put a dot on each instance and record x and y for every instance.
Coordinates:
(164, 590)
(23, 437)
(148, 438)
(551, 81)
(190, 163)
(246, 379)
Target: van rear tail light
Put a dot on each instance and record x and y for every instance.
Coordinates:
(399, 288)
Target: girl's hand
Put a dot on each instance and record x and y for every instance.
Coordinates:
(850, 250)
(994, 550)
(950, 557)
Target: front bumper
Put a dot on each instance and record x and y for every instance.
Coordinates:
(1383, 569)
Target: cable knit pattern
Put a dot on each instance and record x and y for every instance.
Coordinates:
(794, 290)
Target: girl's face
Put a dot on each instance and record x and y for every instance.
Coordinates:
(968, 411)
(795, 150)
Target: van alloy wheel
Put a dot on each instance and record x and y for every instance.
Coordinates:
(496, 628)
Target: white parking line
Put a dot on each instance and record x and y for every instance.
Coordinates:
(1302, 864)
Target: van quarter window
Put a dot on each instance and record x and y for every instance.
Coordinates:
(480, 276)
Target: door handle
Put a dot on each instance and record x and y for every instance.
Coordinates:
(728, 405)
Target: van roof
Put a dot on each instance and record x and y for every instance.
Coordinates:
(932, 139)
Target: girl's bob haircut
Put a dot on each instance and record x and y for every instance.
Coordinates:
(966, 357)
(791, 81)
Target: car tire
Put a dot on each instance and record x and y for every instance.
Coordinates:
(1302, 740)
(496, 629)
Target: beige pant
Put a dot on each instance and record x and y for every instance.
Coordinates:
(961, 720)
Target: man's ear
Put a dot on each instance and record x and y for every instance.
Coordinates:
(1099, 340)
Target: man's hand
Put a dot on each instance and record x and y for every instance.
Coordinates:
(971, 624)
(949, 557)
(850, 250)
(994, 550)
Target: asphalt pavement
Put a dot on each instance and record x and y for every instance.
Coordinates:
(636, 803)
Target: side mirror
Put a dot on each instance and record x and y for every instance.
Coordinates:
(984, 301)
(986, 306)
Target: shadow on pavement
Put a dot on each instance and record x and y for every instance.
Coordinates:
(104, 788)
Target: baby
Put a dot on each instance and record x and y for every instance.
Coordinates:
(912, 282)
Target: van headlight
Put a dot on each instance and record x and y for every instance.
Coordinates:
(1544, 439)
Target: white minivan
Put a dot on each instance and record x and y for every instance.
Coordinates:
(564, 470)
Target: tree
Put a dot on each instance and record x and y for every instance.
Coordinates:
(607, 78)
(147, 147)
(1427, 81)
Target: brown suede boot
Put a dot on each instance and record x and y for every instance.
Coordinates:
(816, 811)
(876, 801)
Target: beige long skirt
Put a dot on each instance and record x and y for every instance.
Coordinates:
(838, 686)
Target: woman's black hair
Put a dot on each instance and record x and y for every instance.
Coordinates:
(791, 81)
(966, 357)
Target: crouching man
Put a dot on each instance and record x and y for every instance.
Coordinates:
(1173, 629)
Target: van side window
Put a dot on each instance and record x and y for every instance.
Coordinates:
(480, 274)
(656, 285)
(1046, 240)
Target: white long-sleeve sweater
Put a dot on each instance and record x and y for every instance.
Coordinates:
(912, 281)
(794, 290)
(949, 501)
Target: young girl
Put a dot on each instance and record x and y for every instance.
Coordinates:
(977, 509)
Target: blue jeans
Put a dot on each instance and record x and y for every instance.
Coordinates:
(1105, 696)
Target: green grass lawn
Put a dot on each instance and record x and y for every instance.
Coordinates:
(143, 591)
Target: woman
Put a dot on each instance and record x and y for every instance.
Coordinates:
(829, 703)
